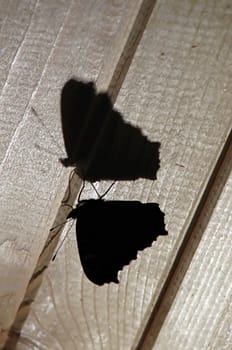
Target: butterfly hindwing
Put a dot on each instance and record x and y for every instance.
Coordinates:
(110, 233)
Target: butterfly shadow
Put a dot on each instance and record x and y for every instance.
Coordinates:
(98, 142)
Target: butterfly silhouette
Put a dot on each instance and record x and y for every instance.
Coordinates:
(102, 146)
(110, 234)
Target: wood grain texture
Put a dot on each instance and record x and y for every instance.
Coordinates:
(184, 96)
(176, 90)
(44, 44)
(200, 316)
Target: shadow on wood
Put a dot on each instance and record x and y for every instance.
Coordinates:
(98, 142)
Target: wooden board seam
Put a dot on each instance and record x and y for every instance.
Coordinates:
(152, 324)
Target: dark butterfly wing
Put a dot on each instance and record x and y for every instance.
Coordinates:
(110, 233)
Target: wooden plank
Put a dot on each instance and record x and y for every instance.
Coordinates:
(200, 315)
(25, 50)
(198, 100)
(46, 43)
(177, 91)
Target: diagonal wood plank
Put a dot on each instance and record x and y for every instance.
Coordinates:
(45, 44)
(200, 312)
(177, 91)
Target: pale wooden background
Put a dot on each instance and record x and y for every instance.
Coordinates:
(167, 66)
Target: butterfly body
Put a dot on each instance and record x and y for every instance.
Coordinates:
(110, 233)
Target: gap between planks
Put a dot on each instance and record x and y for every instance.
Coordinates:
(154, 319)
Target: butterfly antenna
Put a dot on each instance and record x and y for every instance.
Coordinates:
(95, 189)
(79, 196)
(104, 194)
(65, 200)
(61, 243)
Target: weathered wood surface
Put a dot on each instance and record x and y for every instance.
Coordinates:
(200, 292)
(177, 90)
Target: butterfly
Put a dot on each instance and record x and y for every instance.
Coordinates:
(98, 142)
(102, 146)
(110, 234)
